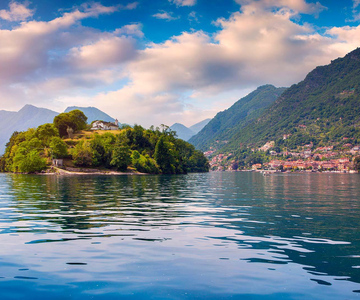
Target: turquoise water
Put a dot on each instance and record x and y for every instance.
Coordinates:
(199, 236)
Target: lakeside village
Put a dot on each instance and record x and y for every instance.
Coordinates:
(305, 159)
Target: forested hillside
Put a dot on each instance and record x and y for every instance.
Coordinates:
(323, 109)
(224, 126)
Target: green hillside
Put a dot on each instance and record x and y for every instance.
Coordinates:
(227, 123)
(323, 109)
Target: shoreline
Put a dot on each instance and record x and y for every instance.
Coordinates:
(268, 172)
(78, 171)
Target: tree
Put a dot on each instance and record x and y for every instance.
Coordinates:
(29, 162)
(58, 147)
(74, 119)
(70, 132)
(163, 156)
(82, 154)
(46, 132)
(143, 163)
(62, 122)
(78, 118)
(357, 163)
(121, 156)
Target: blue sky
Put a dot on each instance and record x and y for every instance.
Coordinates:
(153, 62)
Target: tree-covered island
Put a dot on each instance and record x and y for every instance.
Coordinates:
(154, 150)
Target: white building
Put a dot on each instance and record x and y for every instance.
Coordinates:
(102, 125)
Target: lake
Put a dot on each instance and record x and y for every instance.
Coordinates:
(221, 235)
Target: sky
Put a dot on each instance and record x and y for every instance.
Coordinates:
(153, 62)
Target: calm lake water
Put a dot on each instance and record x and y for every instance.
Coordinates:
(199, 236)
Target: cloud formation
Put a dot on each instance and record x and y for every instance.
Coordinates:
(43, 59)
(298, 6)
(17, 12)
(184, 2)
(164, 15)
(186, 78)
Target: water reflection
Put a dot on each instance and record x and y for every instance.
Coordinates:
(301, 228)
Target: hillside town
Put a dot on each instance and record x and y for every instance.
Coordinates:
(308, 159)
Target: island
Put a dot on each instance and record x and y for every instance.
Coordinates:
(71, 145)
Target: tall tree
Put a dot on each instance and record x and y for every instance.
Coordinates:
(74, 119)
(163, 156)
(121, 156)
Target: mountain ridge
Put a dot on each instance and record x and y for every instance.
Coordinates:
(242, 112)
(185, 133)
(326, 102)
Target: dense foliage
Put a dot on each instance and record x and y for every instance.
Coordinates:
(227, 123)
(67, 123)
(155, 150)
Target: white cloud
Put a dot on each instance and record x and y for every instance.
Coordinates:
(355, 10)
(164, 15)
(184, 2)
(107, 51)
(297, 6)
(131, 29)
(129, 6)
(193, 17)
(17, 12)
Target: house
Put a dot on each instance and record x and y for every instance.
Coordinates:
(267, 146)
(328, 165)
(58, 162)
(102, 125)
(355, 150)
(256, 166)
(274, 164)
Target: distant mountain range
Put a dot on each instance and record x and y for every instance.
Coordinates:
(227, 123)
(31, 116)
(185, 133)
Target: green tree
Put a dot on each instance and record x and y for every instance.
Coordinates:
(82, 154)
(78, 118)
(46, 132)
(74, 119)
(28, 162)
(199, 163)
(58, 147)
(121, 156)
(163, 156)
(357, 163)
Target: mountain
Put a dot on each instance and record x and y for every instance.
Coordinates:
(92, 113)
(323, 109)
(185, 133)
(198, 126)
(182, 131)
(27, 117)
(227, 123)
